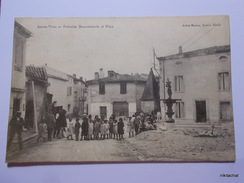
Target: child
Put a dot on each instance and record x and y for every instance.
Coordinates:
(90, 128)
(77, 129)
(42, 131)
(70, 130)
(121, 129)
(97, 128)
(130, 127)
(106, 128)
(115, 129)
(103, 130)
(111, 121)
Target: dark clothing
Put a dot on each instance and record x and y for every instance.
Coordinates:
(120, 127)
(77, 130)
(110, 126)
(84, 128)
(50, 125)
(16, 125)
(137, 124)
(61, 124)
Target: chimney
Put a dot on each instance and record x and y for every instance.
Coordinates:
(74, 75)
(111, 73)
(96, 75)
(101, 73)
(180, 50)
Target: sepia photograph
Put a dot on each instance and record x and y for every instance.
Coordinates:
(128, 89)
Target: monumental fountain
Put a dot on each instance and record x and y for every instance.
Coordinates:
(169, 102)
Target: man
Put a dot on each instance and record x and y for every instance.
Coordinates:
(61, 124)
(16, 125)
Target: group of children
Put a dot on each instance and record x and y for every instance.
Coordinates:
(96, 129)
(100, 128)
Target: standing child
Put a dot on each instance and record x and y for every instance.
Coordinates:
(77, 129)
(115, 129)
(70, 130)
(42, 131)
(97, 128)
(111, 121)
(90, 128)
(103, 129)
(130, 127)
(121, 129)
(106, 128)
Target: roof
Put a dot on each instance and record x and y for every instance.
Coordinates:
(118, 78)
(22, 30)
(199, 52)
(151, 90)
(78, 80)
(38, 73)
(53, 73)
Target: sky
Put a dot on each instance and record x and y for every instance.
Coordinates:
(82, 46)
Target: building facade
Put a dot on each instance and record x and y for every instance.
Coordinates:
(17, 98)
(117, 94)
(202, 80)
(61, 87)
(79, 97)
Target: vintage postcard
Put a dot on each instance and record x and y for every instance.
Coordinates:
(139, 89)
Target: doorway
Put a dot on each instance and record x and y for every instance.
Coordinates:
(121, 109)
(201, 114)
(103, 111)
(225, 111)
(29, 115)
(16, 106)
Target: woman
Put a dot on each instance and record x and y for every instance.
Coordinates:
(121, 129)
(84, 128)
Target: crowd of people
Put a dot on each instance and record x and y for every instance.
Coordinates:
(89, 128)
(85, 128)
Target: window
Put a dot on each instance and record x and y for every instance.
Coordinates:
(123, 89)
(180, 111)
(101, 88)
(69, 91)
(75, 95)
(19, 54)
(223, 79)
(179, 84)
(69, 107)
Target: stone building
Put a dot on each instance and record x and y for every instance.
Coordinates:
(202, 80)
(17, 97)
(117, 94)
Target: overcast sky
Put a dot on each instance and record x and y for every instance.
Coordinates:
(125, 46)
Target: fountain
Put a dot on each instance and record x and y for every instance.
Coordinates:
(169, 103)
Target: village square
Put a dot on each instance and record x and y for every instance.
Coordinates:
(173, 112)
